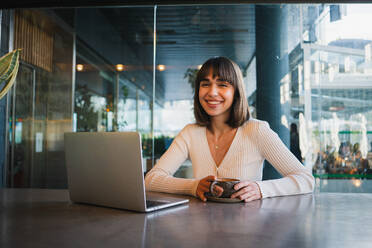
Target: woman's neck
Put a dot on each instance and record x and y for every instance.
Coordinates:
(219, 127)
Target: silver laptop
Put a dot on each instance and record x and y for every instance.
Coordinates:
(105, 169)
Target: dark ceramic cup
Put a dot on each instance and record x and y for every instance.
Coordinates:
(227, 184)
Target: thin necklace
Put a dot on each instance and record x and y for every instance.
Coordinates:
(216, 146)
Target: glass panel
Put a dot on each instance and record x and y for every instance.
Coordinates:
(41, 118)
(186, 37)
(114, 79)
(331, 95)
(326, 92)
(4, 48)
(22, 158)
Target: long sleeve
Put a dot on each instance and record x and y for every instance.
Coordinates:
(161, 179)
(296, 178)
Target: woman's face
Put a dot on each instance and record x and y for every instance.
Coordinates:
(216, 96)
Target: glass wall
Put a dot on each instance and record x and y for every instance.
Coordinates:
(187, 36)
(132, 69)
(114, 72)
(83, 70)
(41, 103)
(331, 95)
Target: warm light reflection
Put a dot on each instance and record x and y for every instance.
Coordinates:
(199, 67)
(357, 182)
(119, 67)
(79, 67)
(161, 67)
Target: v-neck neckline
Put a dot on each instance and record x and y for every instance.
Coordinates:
(228, 151)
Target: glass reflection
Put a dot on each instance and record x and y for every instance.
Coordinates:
(41, 107)
(326, 91)
(330, 89)
(186, 37)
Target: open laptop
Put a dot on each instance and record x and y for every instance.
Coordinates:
(105, 169)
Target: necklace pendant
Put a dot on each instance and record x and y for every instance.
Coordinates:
(216, 146)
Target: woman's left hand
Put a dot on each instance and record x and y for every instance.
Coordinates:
(247, 191)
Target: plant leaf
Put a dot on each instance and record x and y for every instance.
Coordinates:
(4, 62)
(9, 61)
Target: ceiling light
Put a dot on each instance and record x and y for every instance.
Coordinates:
(119, 67)
(79, 67)
(161, 67)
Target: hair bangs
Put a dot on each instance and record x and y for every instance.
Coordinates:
(219, 67)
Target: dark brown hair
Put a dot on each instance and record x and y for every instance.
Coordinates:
(229, 71)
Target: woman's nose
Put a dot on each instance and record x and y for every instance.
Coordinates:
(213, 91)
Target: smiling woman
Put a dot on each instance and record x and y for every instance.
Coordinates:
(226, 143)
(219, 86)
(216, 95)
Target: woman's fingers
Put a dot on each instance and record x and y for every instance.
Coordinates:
(241, 185)
(201, 196)
(246, 195)
(209, 178)
(248, 191)
(217, 190)
(205, 183)
(241, 192)
(203, 186)
(252, 198)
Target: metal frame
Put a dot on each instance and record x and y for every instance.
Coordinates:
(73, 74)
(12, 98)
(4, 177)
(33, 141)
(33, 97)
(153, 89)
(121, 3)
(334, 49)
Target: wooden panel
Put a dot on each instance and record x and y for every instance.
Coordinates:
(37, 43)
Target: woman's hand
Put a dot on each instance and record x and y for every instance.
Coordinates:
(204, 185)
(247, 191)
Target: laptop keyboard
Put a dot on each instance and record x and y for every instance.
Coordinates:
(150, 203)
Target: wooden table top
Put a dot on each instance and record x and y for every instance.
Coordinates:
(46, 218)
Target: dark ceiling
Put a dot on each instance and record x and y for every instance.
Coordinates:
(186, 37)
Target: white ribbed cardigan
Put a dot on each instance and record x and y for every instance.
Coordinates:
(253, 143)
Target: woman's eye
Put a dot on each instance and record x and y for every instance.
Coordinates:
(204, 84)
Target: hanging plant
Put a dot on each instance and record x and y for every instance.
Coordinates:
(9, 64)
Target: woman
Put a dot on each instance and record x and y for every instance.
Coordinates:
(226, 142)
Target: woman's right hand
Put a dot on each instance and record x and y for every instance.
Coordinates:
(203, 187)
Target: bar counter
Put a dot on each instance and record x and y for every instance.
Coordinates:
(46, 218)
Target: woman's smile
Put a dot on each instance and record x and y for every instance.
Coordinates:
(216, 96)
(213, 103)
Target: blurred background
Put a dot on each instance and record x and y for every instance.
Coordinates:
(307, 70)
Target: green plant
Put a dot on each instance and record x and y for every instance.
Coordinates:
(190, 74)
(159, 145)
(86, 115)
(9, 64)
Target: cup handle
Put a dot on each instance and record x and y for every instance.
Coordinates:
(211, 188)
